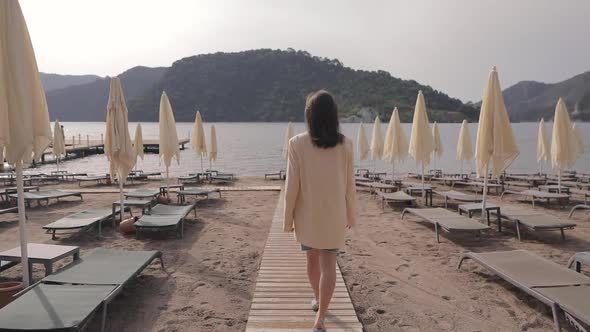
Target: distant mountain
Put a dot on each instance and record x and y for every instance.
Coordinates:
(271, 85)
(257, 85)
(87, 102)
(530, 100)
(56, 81)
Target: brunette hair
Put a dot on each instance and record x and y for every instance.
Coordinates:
(321, 117)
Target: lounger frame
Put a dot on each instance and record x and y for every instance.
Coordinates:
(177, 226)
(555, 309)
(438, 225)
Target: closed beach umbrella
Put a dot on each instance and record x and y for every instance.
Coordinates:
(564, 150)
(25, 131)
(117, 143)
(362, 145)
(495, 142)
(138, 142)
(377, 141)
(395, 146)
(59, 145)
(213, 152)
(289, 133)
(168, 138)
(199, 144)
(579, 141)
(437, 149)
(464, 147)
(421, 141)
(543, 147)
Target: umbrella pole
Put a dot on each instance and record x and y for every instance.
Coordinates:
(559, 181)
(167, 183)
(393, 172)
(485, 192)
(58, 164)
(461, 168)
(122, 206)
(20, 192)
(423, 192)
(202, 170)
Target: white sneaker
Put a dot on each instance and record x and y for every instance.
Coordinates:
(315, 306)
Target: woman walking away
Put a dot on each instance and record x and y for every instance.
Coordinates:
(320, 196)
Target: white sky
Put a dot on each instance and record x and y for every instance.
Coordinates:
(448, 44)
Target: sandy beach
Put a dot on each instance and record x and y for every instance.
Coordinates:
(399, 278)
(210, 273)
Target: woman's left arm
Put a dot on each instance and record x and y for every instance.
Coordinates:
(291, 189)
(350, 188)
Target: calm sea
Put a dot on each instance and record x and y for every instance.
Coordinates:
(256, 148)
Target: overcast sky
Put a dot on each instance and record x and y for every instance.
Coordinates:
(450, 44)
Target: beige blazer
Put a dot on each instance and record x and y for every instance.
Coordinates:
(319, 193)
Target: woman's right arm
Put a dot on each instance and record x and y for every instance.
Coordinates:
(291, 189)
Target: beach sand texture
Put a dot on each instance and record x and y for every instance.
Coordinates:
(399, 278)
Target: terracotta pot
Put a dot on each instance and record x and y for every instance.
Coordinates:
(127, 226)
(164, 200)
(7, 291)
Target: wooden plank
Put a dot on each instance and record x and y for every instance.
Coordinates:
(282, 295)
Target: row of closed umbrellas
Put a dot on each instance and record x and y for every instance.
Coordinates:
(495, 147)
(25, 130)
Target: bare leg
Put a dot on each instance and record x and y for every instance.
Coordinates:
(313, 271)
(327, 284)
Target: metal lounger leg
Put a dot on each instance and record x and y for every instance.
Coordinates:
(562, 234)
(554, 310)
(436, 232)
(518, 229)
(104, 316)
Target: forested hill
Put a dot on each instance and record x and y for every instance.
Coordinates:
(271, 85)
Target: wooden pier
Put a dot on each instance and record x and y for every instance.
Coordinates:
(82, 148)
(282, 298)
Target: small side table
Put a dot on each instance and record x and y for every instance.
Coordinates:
(164, 189)
(476, 207)
(45, 254)
(427, 191)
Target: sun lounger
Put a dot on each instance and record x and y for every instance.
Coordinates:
(4, 265)
(150, 194)
(446, 220)
(164, 217)
(578, 259)
(64, 175)
(457, 196)
(396, 197)
(97, 179)
(537, 194)
(46, 195)
(190, 178)
(7, 191)
(222, 178)
(9, 210)
(82, 220)
(196, 192)
(578, 207)
(557, 286)
(534, 220)
(477, 186)
(68, 299)
(280, 175)
(534, 180)
(584, 193)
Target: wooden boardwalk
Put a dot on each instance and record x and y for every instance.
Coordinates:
(282, 298)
